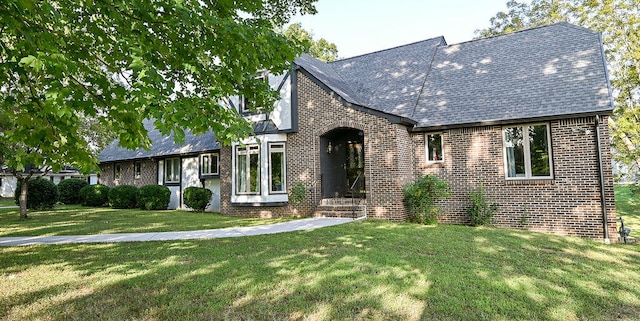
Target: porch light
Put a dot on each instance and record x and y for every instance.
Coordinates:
(329, 148)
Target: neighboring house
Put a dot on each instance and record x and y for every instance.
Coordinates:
(524, 114)
(8, 182)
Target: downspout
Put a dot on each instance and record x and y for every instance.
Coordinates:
(605, 219)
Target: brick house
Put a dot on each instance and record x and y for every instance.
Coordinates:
(525, 114)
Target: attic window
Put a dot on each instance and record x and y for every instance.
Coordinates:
(245, 103)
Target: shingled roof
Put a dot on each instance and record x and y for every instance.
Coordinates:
(161, 146)
(541, 73)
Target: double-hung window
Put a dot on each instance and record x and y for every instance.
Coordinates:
(434, 147)
(248, 169)
(209, 164)
(527, 152)
(277, 168)
(172, 170)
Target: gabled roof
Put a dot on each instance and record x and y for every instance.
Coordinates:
(161, 146)
(551, 71)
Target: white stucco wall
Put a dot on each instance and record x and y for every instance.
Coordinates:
(8, 186)
(214, 186)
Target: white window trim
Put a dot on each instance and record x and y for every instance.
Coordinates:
(213, 171)
(284, 167)
(527, 153)
(426, 148)
(236, 175)
(166, 164)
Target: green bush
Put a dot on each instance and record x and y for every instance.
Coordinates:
(41, 194)
(297, 194)
(198, 198)
(635, 189)
(70, 190)
(123, 196)
(94, 195)
(482, 208)
(420, 198)
(154, 197)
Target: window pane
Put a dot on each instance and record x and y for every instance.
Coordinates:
(539, 151)
(254, 173)
(176, 170)
(434, 147)
(206, 166)
(241, 170)
(214, 164)
(277, 171)
(514, 145)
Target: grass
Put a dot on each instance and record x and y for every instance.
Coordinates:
(78, 220)
(364, 270)
(7, 201)
(368, 270)
(628, 207)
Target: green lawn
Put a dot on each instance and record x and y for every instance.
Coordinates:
(7, 201)
(363, 270)
(628, 207)
(78, 220)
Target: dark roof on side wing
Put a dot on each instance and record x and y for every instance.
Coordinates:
(161, 146)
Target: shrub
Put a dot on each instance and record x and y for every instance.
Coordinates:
(123, 196)
(41, 194)
(70, 190)
(198, 198)
(94, 195)
(297, 194)
(635, 189)
(420, 198)
(154, 197)
(482, 208)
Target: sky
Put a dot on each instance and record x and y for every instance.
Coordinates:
(362, 26)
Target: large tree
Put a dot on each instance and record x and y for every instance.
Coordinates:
(117, 62)
(619, 23)
(321, 48)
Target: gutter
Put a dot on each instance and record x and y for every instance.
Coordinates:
(603, 205)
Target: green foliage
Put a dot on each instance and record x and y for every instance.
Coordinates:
(41, 194)
(70, 190)
(70, 66)
(94, 195)
(154, 197)
(321, 49)
(619, 23)
(197, 198)
(482, 208)
(123, 196)
(420, 198)
(635, 189)
(298, 193)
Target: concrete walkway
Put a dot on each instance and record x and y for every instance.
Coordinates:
(296, 225)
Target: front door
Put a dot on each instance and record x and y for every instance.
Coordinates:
(342, 163)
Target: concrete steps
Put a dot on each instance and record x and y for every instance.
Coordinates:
(341, 207)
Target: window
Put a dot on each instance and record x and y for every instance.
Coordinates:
(117, 171)
(246, 102)
(277, 168)
(527, 151)
(137, 168)
(172, 170)
(248, 169)
(209, 164)
(434, 147)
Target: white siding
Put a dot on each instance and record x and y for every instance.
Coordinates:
(214, 186)
(281, 114)
(8, 187)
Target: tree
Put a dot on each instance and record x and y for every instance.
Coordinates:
(117, 62)
(619, 23)
(321, 49)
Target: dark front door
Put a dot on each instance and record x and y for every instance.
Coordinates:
(342, 163)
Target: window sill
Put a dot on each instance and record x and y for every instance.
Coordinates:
(172, 183)
(433, 165)
(530, 181)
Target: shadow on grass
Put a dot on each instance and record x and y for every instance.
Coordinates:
(364, 270)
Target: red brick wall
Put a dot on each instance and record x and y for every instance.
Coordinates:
(569, 204)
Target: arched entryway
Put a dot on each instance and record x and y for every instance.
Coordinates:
(342, 161)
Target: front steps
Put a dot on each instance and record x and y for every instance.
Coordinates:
(342, 207)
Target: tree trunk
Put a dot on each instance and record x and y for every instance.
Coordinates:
(24, 186)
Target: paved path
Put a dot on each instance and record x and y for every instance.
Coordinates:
(295, 225)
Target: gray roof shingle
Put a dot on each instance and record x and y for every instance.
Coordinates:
(161, 146)
(542, 72)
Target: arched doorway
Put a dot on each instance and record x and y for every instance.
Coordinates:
(342, 163)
